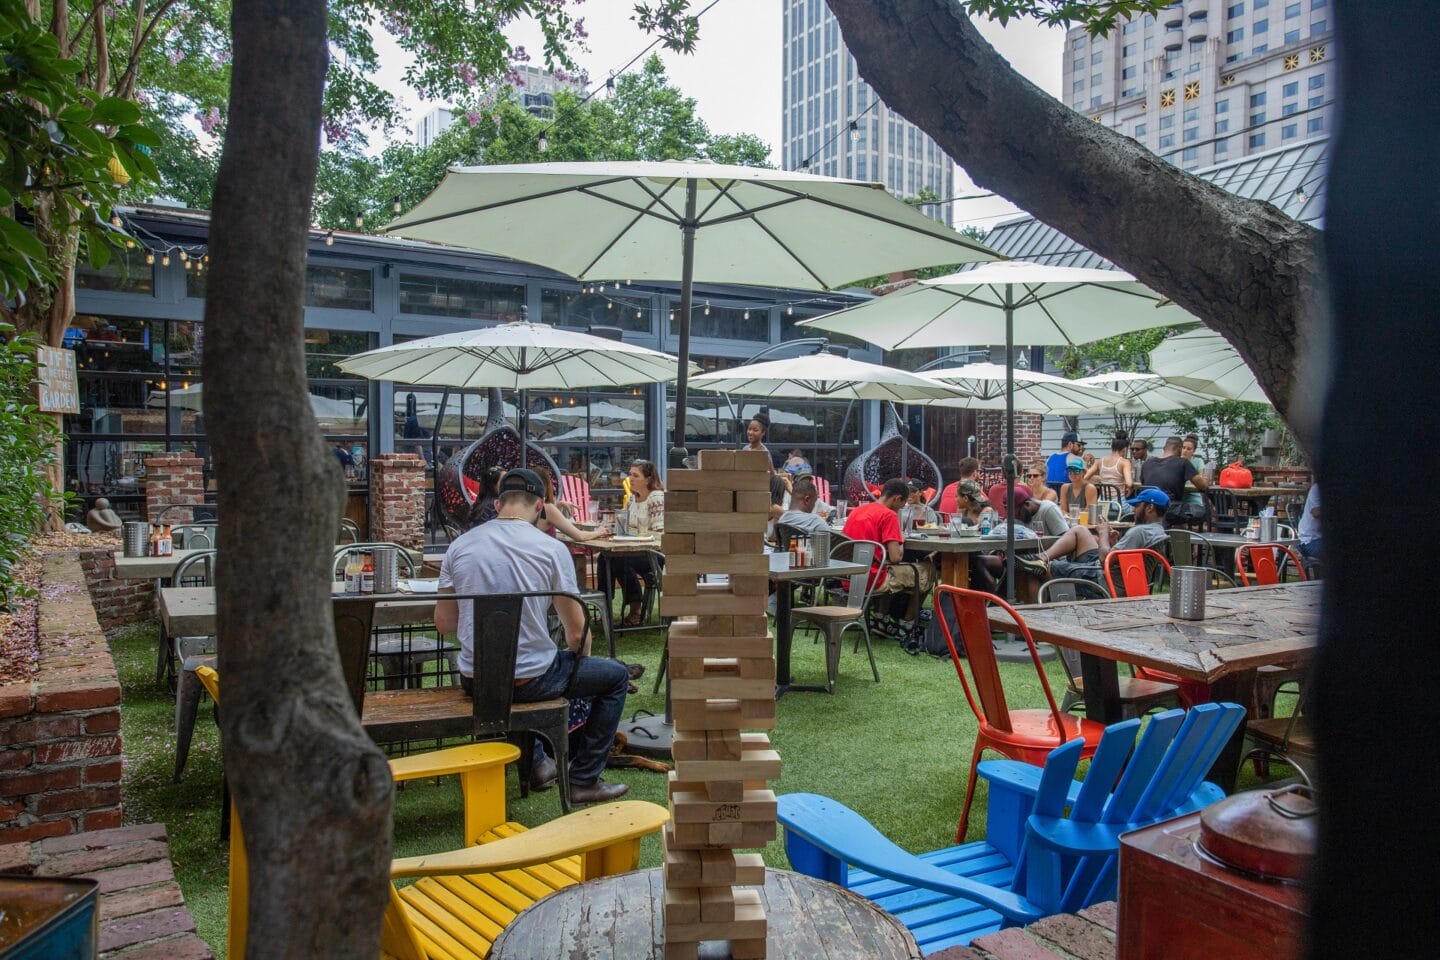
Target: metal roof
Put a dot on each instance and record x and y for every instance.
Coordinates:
(1292, 178)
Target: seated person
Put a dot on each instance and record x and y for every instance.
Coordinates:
(968, 467)
(780, 484)
(822, 508)
(1042, 516)
(510, 555)
(917, 508)
(1080, 553)
(801, 515)
(1077, 492)
(796, 463)
(1035, 480)
(1171, 471)
(879, 521)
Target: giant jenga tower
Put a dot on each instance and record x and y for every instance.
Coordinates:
(722, 679)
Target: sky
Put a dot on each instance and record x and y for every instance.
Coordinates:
(734, 73)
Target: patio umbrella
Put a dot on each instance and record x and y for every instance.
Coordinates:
(825, 376)
(685, 221)
(1033, 392)
(1203, 360)
(515, 356)
(1148, 392)
(1007, 302)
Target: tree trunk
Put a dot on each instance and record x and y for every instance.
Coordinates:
(312, 791)
(1246, 269)
(1378, 661)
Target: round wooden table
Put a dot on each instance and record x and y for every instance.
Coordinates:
(620, 918)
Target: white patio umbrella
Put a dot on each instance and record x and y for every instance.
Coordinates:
(1203, 360)
(685, 221)
(1033, 392)
(1007, 302)
(825, 376)
(1148, 392)
(515, 356)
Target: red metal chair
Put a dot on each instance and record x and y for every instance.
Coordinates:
(1024, 735)
(1264, 562)
(1134, 567)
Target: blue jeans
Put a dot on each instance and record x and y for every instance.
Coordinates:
(597, 679)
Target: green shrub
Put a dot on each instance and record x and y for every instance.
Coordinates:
(27, 446)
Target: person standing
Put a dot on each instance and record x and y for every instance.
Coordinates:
(1139, 454)
(757, 430)
(1055, 475)
(510, 555)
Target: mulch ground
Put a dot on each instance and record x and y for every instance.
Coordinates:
(19, 636)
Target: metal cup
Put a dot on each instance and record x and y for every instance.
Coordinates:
(820, 542)
(136, 538)
(1269, 529)
(1187, 592)
(387, 569)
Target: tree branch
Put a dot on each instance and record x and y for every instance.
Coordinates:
(126, 84)
(1241, 265)
(68, 48)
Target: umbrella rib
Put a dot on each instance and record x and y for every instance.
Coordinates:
(722, 192)
(793, 255)
(614, 239)
(960, 299)
(511, 201)
(748, 213)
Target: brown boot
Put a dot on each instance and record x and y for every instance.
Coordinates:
(597, 792)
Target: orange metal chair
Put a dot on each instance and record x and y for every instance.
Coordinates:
(1025, 735)
(1134, 569)
(1264, 562)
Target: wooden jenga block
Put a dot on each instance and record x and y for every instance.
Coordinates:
(718, 544)
(723, 834)
(751, 625)
(725, 791)
(726, 866)
(715, 501)
(683, 905)
(752, 765)
(697, 836)
(747, 585)
(690, 522)
(690, 745)
(728, 688)
(701, 715)
(722, 745)
(717, 459)
(758, 714)
(746, 949)
(681, 949)
(716, 903)
(754, 806)
(757, 667)
(753, 564)
(687, 668)
(749, 923)
(707, 600)
(682, 645)
(750, 501)
(680, 585)
(678, 544)
(683, 867)
(681, 500)
(744, 543)
(754, 460)
(686, 480)
(714, 625)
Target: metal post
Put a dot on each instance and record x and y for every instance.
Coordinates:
(678, 452)
(1008, 463)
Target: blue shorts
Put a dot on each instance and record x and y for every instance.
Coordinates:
(1086, 566)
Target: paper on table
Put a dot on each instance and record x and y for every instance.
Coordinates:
(420, 586)
(621, 538)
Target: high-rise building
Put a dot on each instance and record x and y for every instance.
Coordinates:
(535, 92)
(1205, 81)
(833, 124)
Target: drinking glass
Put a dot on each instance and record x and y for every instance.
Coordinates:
(1074, 511)
(842, 507)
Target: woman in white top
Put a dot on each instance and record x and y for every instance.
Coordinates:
(644, 515)
(1114, 470)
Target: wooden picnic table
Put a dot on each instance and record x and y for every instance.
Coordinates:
(621, 918)
(190, 611)
(1244, 629)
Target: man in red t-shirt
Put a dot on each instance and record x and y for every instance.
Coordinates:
(880, 521)
(968, 468)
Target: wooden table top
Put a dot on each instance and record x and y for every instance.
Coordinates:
(953, 544)
(190, 611)
(611, 545)
(163, 568)
(835, 568)
(1243, 629)
(621, 918)
(1263, 491)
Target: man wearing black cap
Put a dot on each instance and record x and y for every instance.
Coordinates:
(1055, 475)
(511, 555)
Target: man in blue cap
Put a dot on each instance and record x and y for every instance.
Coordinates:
(1080, 553)
(1055, 464)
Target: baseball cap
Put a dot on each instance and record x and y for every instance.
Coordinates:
(1074, 463)
(997, 496)
(1156, 497)
(971, 489)
(521, 479)
(1071, 437)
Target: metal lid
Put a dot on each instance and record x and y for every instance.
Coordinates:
(1268, 833)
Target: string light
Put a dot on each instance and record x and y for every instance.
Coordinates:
(129, 244)
(707, 308)
(116, 222)
(543, 143)
(854, 131)
(359, 220)
(165, 260)
(395, 204)
(150, 259)
(745, 315)
(329, 238)
(184, 258)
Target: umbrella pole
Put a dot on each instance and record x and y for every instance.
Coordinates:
(678, 453)
(1009, 462)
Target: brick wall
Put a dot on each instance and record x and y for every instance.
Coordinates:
(118, 603)
(990, 437)
(397, 499)
(172, 478)
(60, 732)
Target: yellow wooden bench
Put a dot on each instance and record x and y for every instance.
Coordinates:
(464, 898)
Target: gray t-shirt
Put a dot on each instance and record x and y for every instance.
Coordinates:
(1142, 535)
(808, 522)
(509, 556)
(1049, 521)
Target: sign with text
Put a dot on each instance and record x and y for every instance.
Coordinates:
(58, 390)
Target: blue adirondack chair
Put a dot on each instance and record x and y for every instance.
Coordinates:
(1034, 861)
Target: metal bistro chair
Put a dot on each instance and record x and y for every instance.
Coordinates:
(399, 650)
(191, 653)
(1269, 564)
(1137, 696)
(194, 536)
(835, 619)
(164, 647)
(349, 532)
(1287, 739)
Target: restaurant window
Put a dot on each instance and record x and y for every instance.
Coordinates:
(326, 348)
(339, 288)
(459, 297)
(126, 272)
(708, 319)
(613, 308)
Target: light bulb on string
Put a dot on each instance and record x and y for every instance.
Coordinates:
(707, 308)
(184, 257)
(187, 264)
(790, 311)
(638, 315)
(395, 204)
(359, 220)
(329, 238)
(602, 288)
(854, 131)
(746, 315)
(129, 244)
(116, 222)
(149, 258)
(609, 304)
(165, 260)
(543, 143)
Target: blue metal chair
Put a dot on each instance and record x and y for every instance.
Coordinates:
(1035, 860)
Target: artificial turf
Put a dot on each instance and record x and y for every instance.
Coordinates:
(897, 751)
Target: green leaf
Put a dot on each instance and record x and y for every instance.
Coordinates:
(141, 135)
(21, 239)
(114, 111)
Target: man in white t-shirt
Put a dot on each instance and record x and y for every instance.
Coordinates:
(801, 514)
(511, 555)
(1309, 531)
